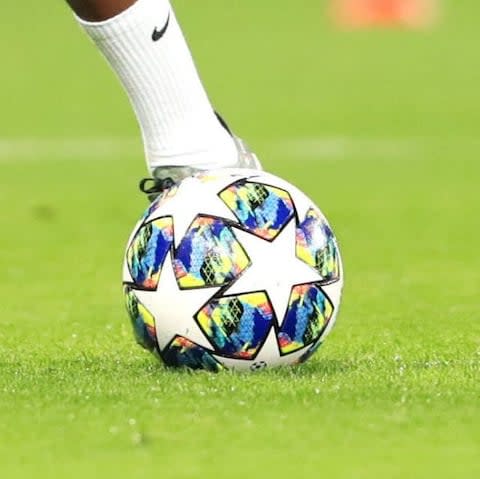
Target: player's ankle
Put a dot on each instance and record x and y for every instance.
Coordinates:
(203, 157)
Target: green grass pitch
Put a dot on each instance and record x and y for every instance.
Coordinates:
(380, 128)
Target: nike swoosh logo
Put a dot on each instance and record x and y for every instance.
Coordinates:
(157, 34)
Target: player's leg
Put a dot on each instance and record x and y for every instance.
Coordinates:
(144, 44)
(99, 10)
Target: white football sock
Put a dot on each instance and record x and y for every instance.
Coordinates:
(178, 123)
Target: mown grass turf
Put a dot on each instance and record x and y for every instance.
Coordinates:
(395, 390)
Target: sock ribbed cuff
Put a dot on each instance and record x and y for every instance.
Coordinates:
(127, 20)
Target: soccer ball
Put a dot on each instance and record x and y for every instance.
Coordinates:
(235, 269)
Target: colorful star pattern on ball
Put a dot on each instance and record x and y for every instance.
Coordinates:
(209, 255)
(237, 326)
(147, 252)
(261, 209)
(308, 314)
(316, 246)
(184, 353)
(142, 320)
